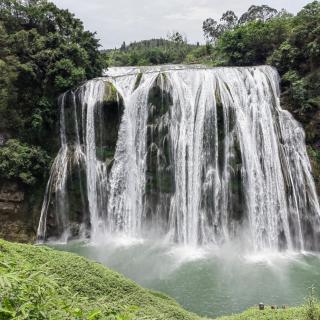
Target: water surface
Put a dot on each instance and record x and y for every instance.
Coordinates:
(208, 281)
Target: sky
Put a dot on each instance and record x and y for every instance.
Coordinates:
(116, 21)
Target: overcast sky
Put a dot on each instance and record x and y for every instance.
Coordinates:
(116, 21)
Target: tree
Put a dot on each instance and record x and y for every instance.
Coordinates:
(254, 42)
(301, 50)
(49, 52)
(255, 13)
(229, 20)
(176, 37)
(23, 162)
(43, 51)
(123, 46)
(298, 60)
(211, 29)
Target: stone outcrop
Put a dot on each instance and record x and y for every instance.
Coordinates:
(16, 224)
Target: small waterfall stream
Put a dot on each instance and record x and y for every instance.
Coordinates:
(199, 156)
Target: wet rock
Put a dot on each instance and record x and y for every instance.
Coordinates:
(9, 207)
(13, 195)
(17, 216)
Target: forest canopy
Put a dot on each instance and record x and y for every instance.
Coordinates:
(44, 51)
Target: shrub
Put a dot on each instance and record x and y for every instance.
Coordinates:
(23, 162)
(311, 306)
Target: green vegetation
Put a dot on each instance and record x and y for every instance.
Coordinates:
(23, 162)
(149, 52)
(310, 311)
(43, 52)
(290, 43)
(270, 314)
(41, 283)
(252, 43)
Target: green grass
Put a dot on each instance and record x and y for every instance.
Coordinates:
(37, 283)
(269, 314)
(309, 311)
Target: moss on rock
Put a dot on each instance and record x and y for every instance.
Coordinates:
(110, 93)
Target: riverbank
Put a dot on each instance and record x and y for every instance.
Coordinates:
(270, 314)
(41, 283)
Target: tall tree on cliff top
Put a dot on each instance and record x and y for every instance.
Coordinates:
(213, 30)
(48, 51)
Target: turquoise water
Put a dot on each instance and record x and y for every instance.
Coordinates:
(209, 281)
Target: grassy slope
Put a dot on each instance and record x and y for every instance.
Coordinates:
(66, 286)
(42, 283)
(280, 314)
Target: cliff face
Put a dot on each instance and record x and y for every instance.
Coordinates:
(16, 223)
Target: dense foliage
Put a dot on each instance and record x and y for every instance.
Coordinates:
(150, 52)
(41, 283)
(290, 43)
(229, 21)
(298, 59)
(23, 161)
(252, 43)
(43, 52)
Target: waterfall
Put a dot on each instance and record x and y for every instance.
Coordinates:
(200, 156)
(57, 182)
(127, 180)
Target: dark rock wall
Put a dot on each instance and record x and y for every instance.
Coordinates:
(19, 211)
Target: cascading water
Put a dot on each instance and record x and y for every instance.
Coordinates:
(201, 155)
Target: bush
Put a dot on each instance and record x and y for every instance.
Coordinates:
(311, 306)
(23, 162)
(254, 42)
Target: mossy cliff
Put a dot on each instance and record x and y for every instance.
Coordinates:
(19, 211)
(160, 176)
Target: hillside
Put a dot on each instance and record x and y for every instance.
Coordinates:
(41, 283)
(149, 52)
